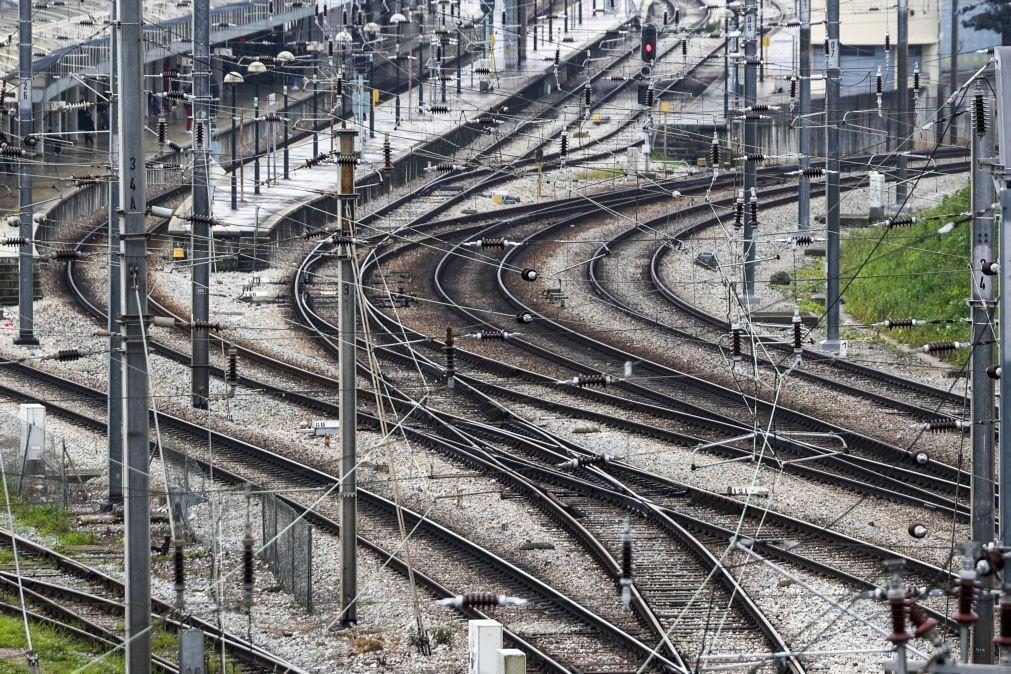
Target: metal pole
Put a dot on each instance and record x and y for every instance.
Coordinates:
(902, 90)
(115, 390)
(459, 63)
(726, 74)
(287, 176)
(953, 73)
(26, 252)
(832, 75)
(1004, 308)
(315, 107)
(396, 72)
(235, 143)
(133, 280)
(200, 227)
(256, 138)
(804, 212)
(421, 73)
(750, 146)
(982, 303)
(347, 418)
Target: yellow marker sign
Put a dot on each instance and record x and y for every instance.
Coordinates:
(766, 40)
(375, 97)
(665, 106)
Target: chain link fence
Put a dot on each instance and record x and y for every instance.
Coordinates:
(41, 471)
(288, 550)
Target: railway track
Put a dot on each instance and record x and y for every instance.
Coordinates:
(71, 595)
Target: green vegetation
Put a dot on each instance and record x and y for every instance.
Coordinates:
(50, 520)
(908, 272)
(58, 651)
(600, 174)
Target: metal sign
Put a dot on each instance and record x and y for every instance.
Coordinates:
(750, 26)
(832, 57)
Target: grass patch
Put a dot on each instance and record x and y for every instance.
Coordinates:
(913, 272)
(51, 520)
(600, 174)
(58, 651)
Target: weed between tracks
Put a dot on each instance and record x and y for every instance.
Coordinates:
(58, 651)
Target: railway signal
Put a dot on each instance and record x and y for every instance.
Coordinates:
(648, 47)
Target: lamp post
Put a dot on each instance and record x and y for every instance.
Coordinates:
(283, 58)
(371, 30)
(233, 79)
(315, 48)
(395, 21)
(256, 68)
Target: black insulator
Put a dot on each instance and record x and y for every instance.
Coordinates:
(481, 70)
(888, 42)
(179, 566)
(939, 347)
(593, 380)
(754, 210)
(558, 56)
(329, 44)
(739, 212)
(480, 599)
(649, 96)
(736, 340)
(677, 15)
(715, 153)
(901, 221)
(201, 218)
(198, 133)
(162, 131)
(665, 17)
(916, 81)
(175, 95)
(270, 6)
(247, 567)
(232, 376)
(797, 336)
(207, 325)
(493, 243)
(899, 323)
(387, 155)
(565, 144)
(316, 233)
(684, 47)
(803, 240)
(439, 109)
(826, 47)
(529, 274)
(594, 460)
(344, 18)
(524, 317)
(940, 425)
(340, 86)
(757, 158)
(587, 94)
(813, 172)
(761, 107)
(66, 254)
(438, 53)
(979, 114)
(68, 354)
(495, 335)
(793, 87)
(11, 151)
(15, 241)
(879, 84)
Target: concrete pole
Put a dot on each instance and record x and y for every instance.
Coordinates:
(803, 110)
(287, 158)
(256, 138)
(750, 146)
(235, 148)
(1003, 119)
(348, 398)
(953, 74)
(133, 280)
(114, 395)
(200, 228)
(982, 303)
(26, 276)
(902, 90)
(831, 342)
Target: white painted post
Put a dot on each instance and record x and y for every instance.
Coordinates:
(878, 194)
(485, 639)
(33, 437)
(512, 661)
